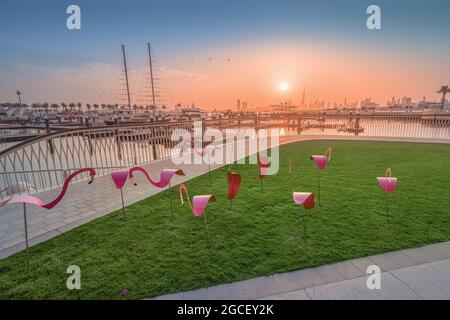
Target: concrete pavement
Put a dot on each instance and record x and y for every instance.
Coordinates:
(412, 274)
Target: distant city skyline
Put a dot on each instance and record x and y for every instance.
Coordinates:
(212, 53)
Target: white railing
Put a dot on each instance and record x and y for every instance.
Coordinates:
(43, 162)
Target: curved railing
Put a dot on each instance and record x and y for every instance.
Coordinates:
(42, 163)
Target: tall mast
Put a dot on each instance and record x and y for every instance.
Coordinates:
(126, 76)
(151, 73)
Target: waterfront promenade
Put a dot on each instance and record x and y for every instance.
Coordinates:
(84, 203)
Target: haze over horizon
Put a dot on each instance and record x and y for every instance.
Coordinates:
(213, 52)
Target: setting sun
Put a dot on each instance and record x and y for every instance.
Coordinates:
(284, 86)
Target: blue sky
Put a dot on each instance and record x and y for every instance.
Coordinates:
(34, 32)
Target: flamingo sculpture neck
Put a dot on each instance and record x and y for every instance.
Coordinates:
(38, 202)
(165, 176)
(66, 185)
(200, 202)
(203, 151)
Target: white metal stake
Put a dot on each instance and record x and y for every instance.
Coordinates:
(207, 230)
(123, 203)
(26, 234)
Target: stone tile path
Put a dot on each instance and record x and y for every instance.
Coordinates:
(418, 273)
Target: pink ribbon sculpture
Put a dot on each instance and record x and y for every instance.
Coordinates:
(389, 184)
(234, 182)
(120, 178)
(321, 163)
(264, 164)
(38, 202)
(306, 200)
(200, 203)
(165, 177)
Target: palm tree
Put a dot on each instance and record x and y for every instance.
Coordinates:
(55, 107)
(18, 94)
(88, 106)
(96, 106)
(444, 90)
(79, 105)
(64, 106)
(45, 105)
(34, 106)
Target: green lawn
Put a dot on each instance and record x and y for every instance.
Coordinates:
(152, 251)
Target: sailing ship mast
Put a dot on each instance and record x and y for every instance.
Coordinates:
(126, 76)
(151, 74)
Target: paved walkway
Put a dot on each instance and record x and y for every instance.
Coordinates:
(84, 203)
(413, 274)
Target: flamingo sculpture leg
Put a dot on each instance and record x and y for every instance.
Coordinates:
(24, 200)
(166, 176)
(234, 181)
(200, 203)
(306, 201)
(202, 152)
(290, 162)
(321, 163)
(264, 164)
(389, 184)
(120, 178)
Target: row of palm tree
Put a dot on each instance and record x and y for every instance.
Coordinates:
(78, 107)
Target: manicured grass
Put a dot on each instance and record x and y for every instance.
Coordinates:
(152, 251)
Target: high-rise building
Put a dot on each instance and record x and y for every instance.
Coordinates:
(303, 98)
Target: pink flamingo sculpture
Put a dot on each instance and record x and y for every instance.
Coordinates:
(306, 200)
(120, 178)
(200, 203)
(264, 164)
(321, 162)
(234, 182)
(38, 202)
(389, 184)
(166, 176)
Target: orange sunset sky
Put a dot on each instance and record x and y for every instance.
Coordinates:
(213, 53)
